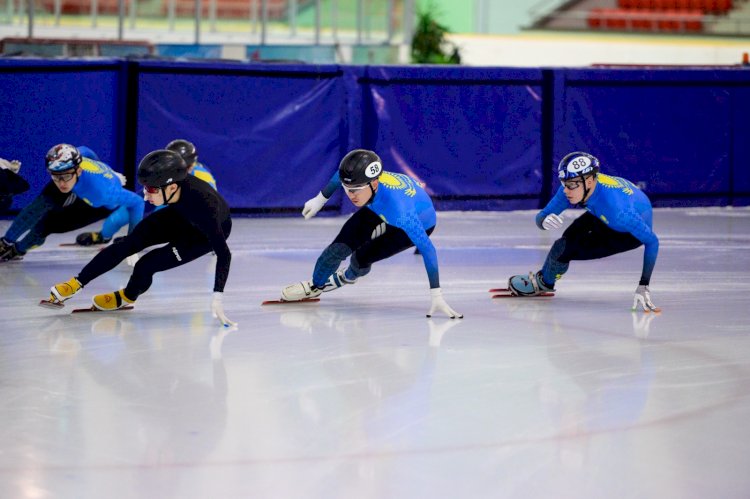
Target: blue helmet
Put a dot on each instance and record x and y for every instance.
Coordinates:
(62, 157)
(577, 164)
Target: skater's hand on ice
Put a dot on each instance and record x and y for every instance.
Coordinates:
(642, 298)
(217, 309)
(132, 259)
(552, 221)
(438, 303)
(313, 206)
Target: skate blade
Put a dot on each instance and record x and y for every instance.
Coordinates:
(94, 309)
(499, 290)
(285, 302)
(51, 304)
(508, 295)
(98, 247)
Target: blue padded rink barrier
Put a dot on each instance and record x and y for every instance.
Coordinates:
(361, 396)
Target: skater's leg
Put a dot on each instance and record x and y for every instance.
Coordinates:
(359, 229)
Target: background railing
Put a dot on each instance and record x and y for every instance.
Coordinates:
(196, 21)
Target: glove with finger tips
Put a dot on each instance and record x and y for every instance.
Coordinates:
(313, 206)
(642, 299)
(217, 309)
(552, 221)
(439, 304)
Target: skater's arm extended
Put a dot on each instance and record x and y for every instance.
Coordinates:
(314, 205)
(414, 229)
(556, 205)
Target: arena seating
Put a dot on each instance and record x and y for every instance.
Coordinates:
(646, 20)
(704, 6)
(233, 9)
(277, 9)
(670, 16)
(78, 7)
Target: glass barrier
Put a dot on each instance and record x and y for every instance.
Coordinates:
(229, 21)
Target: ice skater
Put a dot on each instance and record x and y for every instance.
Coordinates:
(618, 218)
(196, 220)
(189, 153)
(81, 191)
(395, 213)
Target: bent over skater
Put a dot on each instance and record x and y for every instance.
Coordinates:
(82, 189)
(395, 213)
(196, 220)
(618, 218)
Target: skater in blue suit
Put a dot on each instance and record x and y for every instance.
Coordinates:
(81, 191)
(395, 213)
(618, 218)
(189, 153)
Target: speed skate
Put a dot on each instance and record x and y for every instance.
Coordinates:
(94, 309)
(506, 293)
(281, 301)
(58, 305)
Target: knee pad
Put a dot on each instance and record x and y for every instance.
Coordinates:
(334, 254)
(558, 251)
(556, 263)
(329, 261)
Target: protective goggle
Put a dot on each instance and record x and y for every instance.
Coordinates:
(352, 189)
(151, 190)
(63, 177)
(571, 185)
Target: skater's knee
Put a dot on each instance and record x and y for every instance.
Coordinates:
(339, 250)
(562, 251)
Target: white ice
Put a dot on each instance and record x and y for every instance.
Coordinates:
(361, 396)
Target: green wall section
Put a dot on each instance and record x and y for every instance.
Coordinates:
(459, 16)
(456, 15)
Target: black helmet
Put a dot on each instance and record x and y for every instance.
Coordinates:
(577, 164)
(185, 149)
(360, 167)
(161, 168)
(62, 157)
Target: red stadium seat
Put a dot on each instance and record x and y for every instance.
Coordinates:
(693, 22)
(594, 19)
(641, 20)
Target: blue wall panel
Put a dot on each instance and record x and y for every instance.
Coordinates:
(671, 131)
(479, 138)
(472, 135)
(740, 150)
(271, 135)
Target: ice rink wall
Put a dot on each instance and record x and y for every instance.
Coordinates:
(479, 138)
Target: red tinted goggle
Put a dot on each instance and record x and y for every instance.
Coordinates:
(151, 190)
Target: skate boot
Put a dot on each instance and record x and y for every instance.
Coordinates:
(112, 301)
(336, 280)
(5, 245)
(528, 285)
(8, 252)
(65, 290)
(300, 291)
(91, 238)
